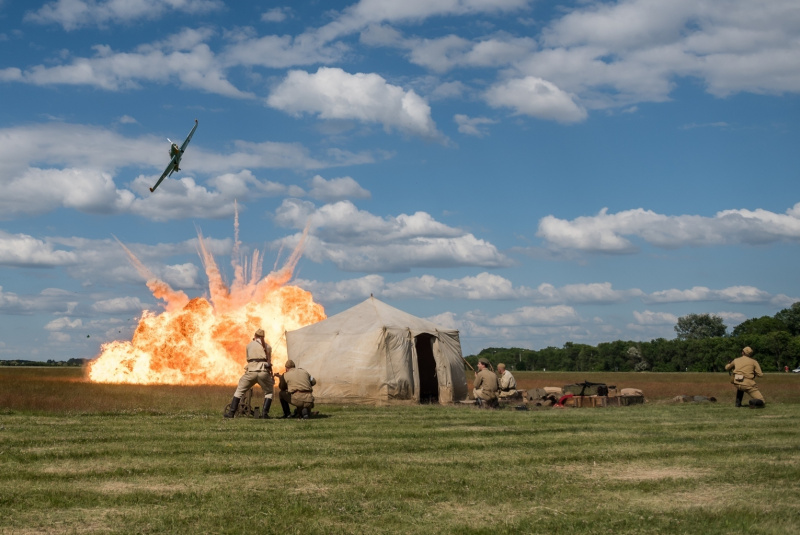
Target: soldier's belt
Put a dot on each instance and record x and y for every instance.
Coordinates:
(258, 360)
(301, 392)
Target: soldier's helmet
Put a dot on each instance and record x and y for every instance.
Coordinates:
(747, 352)
(289, 364)
(260, 333)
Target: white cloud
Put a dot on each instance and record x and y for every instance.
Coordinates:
(537, 98)
(276, 14)
(55, 165)
(527, 316)
(472, 126)
(620, 53)
(332, 93)
(119, 305)
(62, 323)
(22, 250)
(336, 189)
(183, 58)
(649, 317)
(355, 240)
(73, 14)
(733, 294)
(607, 233)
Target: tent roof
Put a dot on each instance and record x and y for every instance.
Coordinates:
(371, 315)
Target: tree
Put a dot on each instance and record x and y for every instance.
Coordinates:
(791, 318)
(699, 326)
(762, 325)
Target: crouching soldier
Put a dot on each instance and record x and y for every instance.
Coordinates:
(744, 371)
(296, 389)
(506, 382)
(485, 385)
(257, 370)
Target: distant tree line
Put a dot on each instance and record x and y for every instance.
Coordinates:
(701, 345)
(20, 362)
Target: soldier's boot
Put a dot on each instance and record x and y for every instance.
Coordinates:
(230, 413)
(756, 403)
(285, 407)
(306, 414)
(265, 408)
(479, 402)
(739, 396)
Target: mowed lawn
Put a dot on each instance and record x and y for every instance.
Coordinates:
(77, 457)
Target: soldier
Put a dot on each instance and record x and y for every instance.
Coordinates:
(296, 388)
(506, 382)
(485, 385)
(745, 369)
(257, 370)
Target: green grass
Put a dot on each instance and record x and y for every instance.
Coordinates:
(114, 459)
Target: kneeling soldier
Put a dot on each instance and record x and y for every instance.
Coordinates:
(296, 389)
(485, 385)
(745, 370)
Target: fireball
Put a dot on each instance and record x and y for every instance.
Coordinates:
(202, 340)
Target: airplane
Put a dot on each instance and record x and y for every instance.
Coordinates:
(176, 153)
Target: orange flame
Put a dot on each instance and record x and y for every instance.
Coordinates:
(202, 341)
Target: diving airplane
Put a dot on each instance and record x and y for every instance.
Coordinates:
(176, 153)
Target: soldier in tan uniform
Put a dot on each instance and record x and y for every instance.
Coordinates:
(257, 370)
(485, 385)
(744, 371)
(506, 382)
(296, 388)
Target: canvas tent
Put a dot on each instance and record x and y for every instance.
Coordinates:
(375, 353)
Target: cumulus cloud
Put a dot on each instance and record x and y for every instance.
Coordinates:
(355, 240)
(183, 59)
(119, 305)
(44, 167)
(649, 317)
(336, 189)
(608, 233)
(332, 93)
(22, 250)
(62, 323)
(616, 54)
(73, 14)
(472, 126)
(537, 98)
(277, 14)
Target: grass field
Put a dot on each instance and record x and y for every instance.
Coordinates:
(77, 457)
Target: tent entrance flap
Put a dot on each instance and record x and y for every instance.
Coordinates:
(426, 365)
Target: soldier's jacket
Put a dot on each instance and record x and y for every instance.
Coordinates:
(745, 371)
(486, 382)
(507, 382)
(258, 359)
(297, 380)
(296, 385)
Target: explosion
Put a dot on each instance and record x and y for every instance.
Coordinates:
(202, 341)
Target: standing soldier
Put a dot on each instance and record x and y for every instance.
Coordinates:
(257, 370)
(507, 383)
(485, 385)
(745, 370)
(296, 387)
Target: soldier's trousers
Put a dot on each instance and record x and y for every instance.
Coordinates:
(249, 379)
(751, 390)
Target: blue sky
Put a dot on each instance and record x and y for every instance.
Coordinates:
(528, 172)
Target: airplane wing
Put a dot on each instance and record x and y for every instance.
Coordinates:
(168, 171)
(189, 137)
